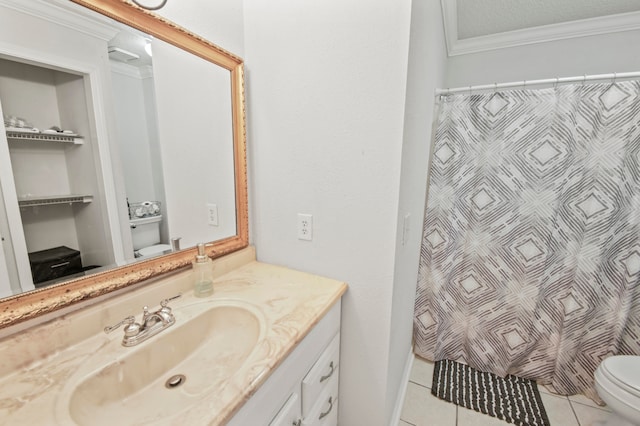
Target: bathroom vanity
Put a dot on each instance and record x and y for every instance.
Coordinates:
(262, 350)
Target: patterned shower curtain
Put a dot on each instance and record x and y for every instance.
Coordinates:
(530, 259)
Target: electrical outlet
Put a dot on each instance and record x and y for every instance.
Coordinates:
(305, 227)
(212, 214)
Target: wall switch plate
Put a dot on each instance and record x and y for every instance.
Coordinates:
(406, 227)
(305, 227)
(212, 214)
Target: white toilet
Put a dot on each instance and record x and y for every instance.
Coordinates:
(145, 233)
(618, 384)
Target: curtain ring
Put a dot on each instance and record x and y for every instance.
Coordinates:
(555, 85)
(495, 87)
(584, 79)
(615, 76)
(524, 85)
(469, 90)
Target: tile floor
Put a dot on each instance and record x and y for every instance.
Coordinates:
(423, 409)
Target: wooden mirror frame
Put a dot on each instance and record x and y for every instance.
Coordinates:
(31, 304)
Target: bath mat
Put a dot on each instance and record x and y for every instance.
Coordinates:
(512, 399)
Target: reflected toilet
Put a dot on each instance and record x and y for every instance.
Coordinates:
(145, 233)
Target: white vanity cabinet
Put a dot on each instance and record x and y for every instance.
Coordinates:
(325, 411)
(303, 390)
(314, 401)
(291, 412)
(320, 388)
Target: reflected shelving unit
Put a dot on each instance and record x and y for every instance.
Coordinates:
(53, 138)
(47, 200)
(51, 179)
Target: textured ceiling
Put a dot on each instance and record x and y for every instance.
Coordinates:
(484, 17)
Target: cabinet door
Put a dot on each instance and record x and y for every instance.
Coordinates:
(291, 412)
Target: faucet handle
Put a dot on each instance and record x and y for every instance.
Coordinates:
(145, 313)
(131, 327)
(165, 302)
(163, 305)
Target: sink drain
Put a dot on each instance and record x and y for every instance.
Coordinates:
(175, 381)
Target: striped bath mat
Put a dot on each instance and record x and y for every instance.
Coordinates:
(512, 399)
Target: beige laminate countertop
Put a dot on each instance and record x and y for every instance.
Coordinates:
(40, 365)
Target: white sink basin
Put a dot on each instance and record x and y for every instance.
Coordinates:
(152, 382)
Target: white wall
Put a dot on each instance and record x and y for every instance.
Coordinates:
(326, 92)
(427, 61)
(133, 138)
(599, 54)
(149, 94)
(20, 85)
(196, 143)
(219, 21)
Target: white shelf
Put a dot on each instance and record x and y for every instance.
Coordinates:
(46, 200)
(62, 138)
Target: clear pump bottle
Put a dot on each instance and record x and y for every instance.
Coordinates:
(203, 274)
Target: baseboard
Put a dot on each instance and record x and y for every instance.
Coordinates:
(397, 409)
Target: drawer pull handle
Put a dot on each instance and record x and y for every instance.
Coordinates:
(297, 422)
(59, 265)
(326, 413)
(323, 378)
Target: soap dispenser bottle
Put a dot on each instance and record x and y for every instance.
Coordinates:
(203, 274)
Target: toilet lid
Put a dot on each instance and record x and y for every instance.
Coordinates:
(624, 370)
(152, 250)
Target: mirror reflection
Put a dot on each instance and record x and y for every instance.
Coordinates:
(104, 160)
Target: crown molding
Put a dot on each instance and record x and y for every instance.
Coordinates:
(65, 14)
(542, 34)
(450, 22)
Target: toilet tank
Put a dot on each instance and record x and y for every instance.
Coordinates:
(145, 232)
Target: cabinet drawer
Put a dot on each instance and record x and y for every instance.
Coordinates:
(325, 411)
(289, 414)
(320, 374)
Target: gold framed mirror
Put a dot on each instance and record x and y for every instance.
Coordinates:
(31, 304)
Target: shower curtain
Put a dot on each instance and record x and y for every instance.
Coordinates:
(530, 257)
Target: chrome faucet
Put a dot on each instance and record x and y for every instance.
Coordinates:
(152, 323)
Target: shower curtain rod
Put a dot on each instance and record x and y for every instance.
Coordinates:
(551, 81)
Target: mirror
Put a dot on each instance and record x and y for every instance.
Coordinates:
(188, 177)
